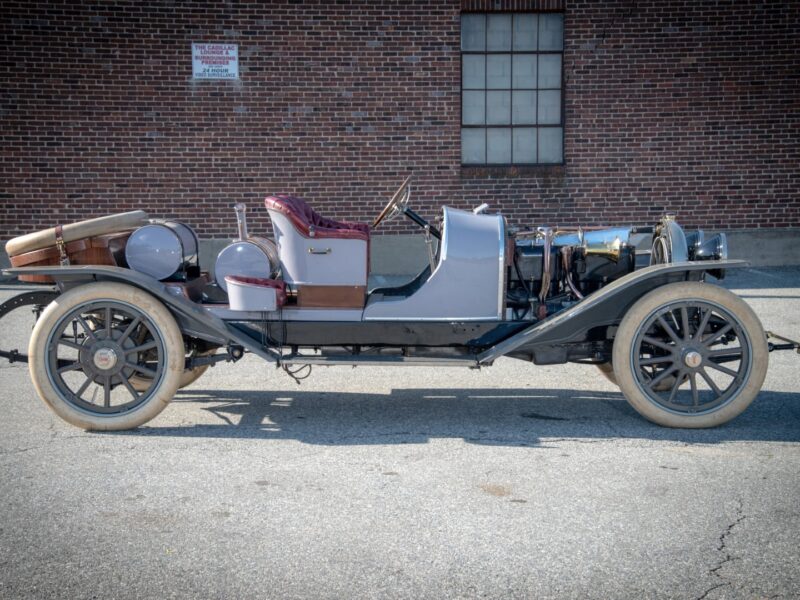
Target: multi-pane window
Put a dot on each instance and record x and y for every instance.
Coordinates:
(511, 88)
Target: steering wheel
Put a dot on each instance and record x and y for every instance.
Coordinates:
(396, 204)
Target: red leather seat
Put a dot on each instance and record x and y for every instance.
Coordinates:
(310, 224)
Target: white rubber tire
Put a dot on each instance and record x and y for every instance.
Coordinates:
(144, 302)
(189, 377)
(607, 370)
(674, 292)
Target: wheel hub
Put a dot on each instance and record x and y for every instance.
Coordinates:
(105, 359)
(113, 339)
(692, 359)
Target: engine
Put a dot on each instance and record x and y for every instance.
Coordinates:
(551, 269)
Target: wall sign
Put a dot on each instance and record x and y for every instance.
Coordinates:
(215, 61)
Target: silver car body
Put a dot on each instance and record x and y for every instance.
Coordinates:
(467, 283)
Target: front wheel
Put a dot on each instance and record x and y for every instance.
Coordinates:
(89, 343)
(703, 338)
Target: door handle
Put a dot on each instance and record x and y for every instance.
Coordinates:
(319, 250)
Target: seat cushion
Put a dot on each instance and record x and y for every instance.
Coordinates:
(310, 224)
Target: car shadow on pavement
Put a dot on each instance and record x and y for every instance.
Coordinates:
(505, 417)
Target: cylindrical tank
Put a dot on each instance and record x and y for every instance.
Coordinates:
(162, 250)
(248, 256)
(253, 257)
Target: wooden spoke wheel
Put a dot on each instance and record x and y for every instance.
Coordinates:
(91, 341)
(703, 339)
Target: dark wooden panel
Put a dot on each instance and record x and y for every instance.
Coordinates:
(331, 296)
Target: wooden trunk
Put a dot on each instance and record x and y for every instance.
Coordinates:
(106, 249)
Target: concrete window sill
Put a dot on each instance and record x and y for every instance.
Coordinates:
(488, 172)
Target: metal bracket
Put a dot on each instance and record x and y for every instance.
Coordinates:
(429, 242)
(14, 356)
(233, 354)
(787, 345)
(63, 257)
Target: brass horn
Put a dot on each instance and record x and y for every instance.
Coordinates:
(607, 243)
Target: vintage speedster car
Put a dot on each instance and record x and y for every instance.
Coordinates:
(132, 318)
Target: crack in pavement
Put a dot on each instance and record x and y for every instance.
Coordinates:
(53, 439)
(13, 451)
(722, 547)
(708, 591)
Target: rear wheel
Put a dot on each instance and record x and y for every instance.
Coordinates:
(90, 341)
(141, 382)
(705, 339)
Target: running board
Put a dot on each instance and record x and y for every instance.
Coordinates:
(366, 360)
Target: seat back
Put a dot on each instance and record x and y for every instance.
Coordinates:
(311, 224)
(316, 251)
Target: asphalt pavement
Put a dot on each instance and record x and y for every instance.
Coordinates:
(514, 481)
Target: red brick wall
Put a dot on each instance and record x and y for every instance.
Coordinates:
(687, 107)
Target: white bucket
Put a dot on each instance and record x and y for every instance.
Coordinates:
(252, 294)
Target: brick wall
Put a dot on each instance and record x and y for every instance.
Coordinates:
(687, 107)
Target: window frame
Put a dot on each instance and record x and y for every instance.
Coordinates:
(510, 126)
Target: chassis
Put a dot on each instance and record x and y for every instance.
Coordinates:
(112, 345)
